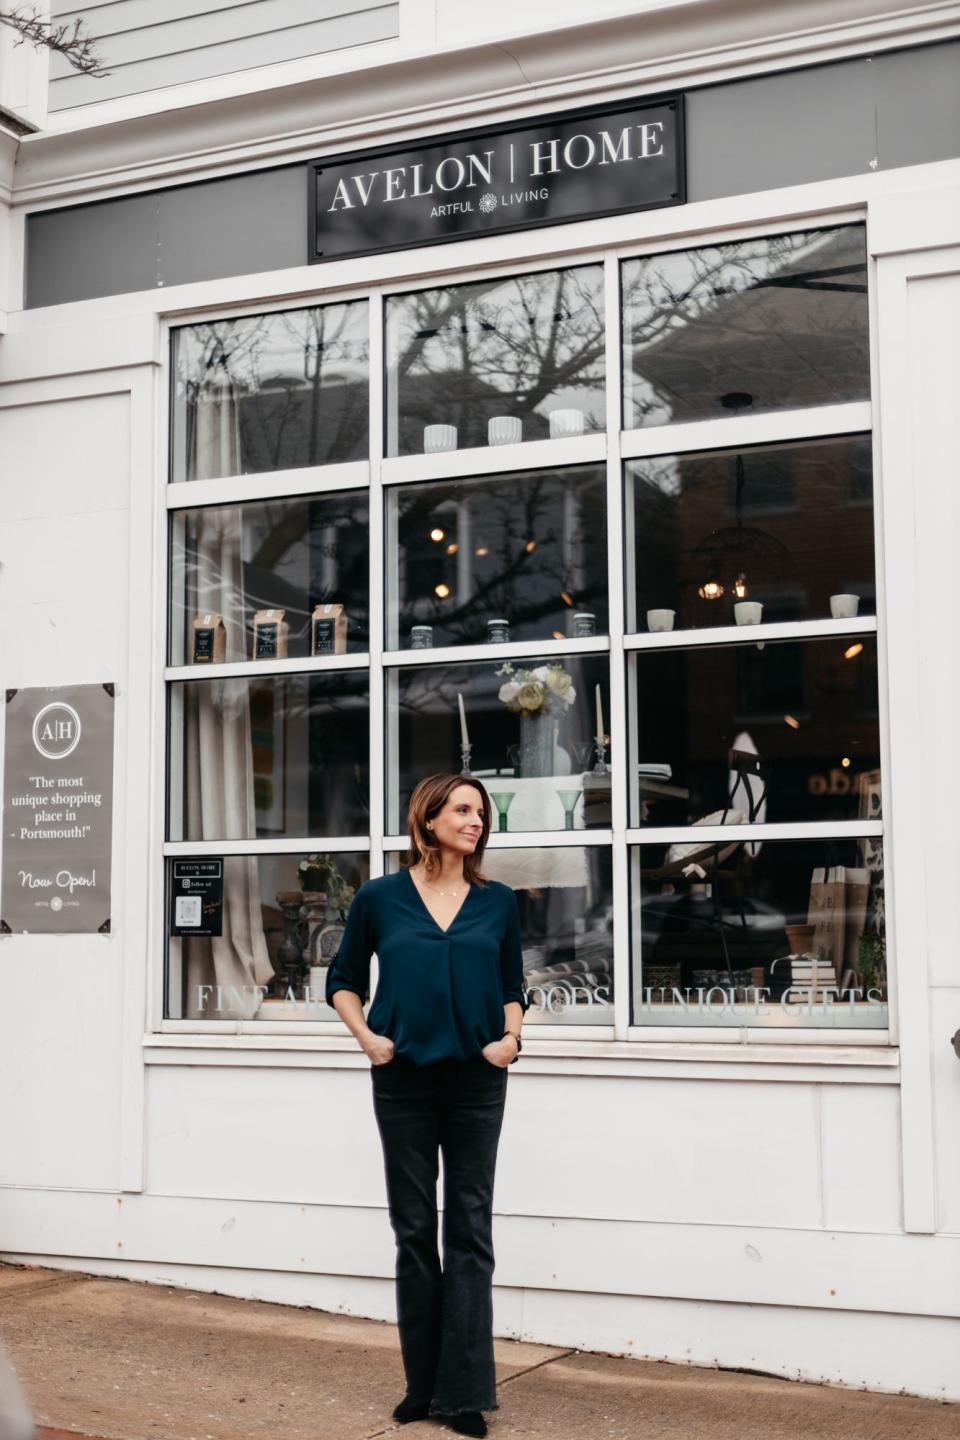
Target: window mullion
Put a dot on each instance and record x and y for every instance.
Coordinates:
(376, 585)
(617, 719)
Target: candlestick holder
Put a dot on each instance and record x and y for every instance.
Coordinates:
(465, 760)
(600, 746)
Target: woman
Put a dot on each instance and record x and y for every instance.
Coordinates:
(443, 1027)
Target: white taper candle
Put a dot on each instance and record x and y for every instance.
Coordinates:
(464, 737)
(600, 734)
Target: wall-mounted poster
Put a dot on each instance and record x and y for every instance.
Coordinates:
(57, 810)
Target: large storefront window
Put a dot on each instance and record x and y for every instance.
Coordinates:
(773, 731)
(509, 557)
(769, 933)
(289, 560)
(527, 729)
(283, 918)
(497, 362)
(773, 533)
(278, 755)
(777, 323)
(270, 392)
(662, 637)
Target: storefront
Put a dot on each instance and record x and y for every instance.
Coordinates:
(602, 449)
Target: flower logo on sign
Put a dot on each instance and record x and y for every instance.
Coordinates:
(488, 203)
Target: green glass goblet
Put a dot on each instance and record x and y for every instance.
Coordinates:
(583, 752)
(568, 799)
(503, 799)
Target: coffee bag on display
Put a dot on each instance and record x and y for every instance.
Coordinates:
(270, 632)
(209, 639)
(328, 630)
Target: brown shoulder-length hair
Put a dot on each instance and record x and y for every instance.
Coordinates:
(427, 800)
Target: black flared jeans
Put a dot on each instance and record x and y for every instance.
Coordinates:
(445, 1313)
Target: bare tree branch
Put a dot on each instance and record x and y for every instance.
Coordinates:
(69, 39)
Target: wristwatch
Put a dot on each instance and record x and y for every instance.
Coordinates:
(519, 1044)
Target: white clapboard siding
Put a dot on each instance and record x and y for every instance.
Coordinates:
(150, 44)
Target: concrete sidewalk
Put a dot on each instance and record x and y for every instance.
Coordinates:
(130, 1361)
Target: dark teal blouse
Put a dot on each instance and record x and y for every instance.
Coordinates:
(440, 993)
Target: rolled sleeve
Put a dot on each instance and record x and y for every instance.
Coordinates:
(511, 956)
(351, 965)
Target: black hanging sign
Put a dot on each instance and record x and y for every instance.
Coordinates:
(576, 166)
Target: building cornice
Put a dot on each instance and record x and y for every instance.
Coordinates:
(398, 96)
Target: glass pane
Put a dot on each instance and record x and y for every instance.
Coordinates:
(788, 527)
(250, 936)
(271, 392)
(774, 323)
(786, 732)
(565, 897)
(778, 933)
(306, 559)
(512, 351)
(468, 556)
(279, 755)
(530, 728)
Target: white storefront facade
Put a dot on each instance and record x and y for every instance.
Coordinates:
(306, 512)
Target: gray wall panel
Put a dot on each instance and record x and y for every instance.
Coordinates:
(249, 223)
(90, 250)
(167, 237)
(931, 134)
(786, 129)
(805, 125)
(149, 44)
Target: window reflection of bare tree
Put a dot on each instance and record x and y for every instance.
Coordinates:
(500, 347)
(781, 319)
(298, 380)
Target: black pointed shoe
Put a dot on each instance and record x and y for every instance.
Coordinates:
(468, 1422)
(409, 1410)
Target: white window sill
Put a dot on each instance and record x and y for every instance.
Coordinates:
(874, 1063)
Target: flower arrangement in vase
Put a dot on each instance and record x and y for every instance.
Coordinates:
(538, 696)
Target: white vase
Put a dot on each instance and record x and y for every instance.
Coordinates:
(439, 437)
(504, 430)
(660, 620)
(566, 423)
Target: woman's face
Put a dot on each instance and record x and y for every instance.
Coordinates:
(459, 825)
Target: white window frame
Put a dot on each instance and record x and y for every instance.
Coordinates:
(627, 237)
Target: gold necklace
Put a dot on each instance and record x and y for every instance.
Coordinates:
(454, 893)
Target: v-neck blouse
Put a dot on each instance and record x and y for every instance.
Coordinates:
(440, 993)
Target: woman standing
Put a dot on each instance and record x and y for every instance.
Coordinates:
(443, 1027)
